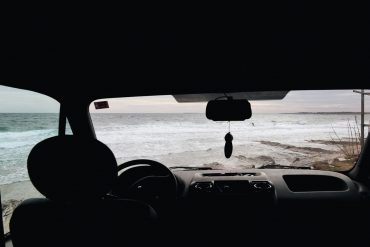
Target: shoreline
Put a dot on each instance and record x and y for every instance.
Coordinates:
(315, 154)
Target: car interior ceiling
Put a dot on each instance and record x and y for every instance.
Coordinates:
(90, 200)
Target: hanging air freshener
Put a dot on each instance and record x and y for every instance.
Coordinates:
(228, 144)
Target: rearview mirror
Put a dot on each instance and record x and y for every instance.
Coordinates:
(228, 110)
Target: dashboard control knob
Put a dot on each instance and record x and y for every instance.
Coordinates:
(226, 188)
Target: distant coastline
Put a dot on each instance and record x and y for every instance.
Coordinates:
(166, 113)
(336, 113)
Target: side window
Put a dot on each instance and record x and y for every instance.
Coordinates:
(26, 118)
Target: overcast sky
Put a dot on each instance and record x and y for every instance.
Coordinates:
(16, 100)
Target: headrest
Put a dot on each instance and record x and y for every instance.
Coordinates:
(70, 168)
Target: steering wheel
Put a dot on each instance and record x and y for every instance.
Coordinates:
(146, 180)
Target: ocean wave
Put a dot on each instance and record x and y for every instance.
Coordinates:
(28, 133)
(3, 129)
(24, 138)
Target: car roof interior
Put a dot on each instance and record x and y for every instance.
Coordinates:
(80, 57)
(258, 47)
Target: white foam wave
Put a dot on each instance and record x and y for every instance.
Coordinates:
(24, 138)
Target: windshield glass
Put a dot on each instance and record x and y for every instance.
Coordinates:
(305, 129)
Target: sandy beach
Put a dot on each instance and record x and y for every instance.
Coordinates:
(268, 155)
(13, 194)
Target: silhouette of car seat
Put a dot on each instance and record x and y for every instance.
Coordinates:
(75, 174)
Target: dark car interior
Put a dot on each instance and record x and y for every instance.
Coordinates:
(90, 200)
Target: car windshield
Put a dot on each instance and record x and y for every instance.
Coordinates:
(305, 129)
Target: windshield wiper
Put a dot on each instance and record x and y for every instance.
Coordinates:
(191, 167)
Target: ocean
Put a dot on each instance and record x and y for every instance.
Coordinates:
(175, 139)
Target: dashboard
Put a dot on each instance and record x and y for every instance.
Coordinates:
(257, 206)
(263, 207)
(279, 185)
